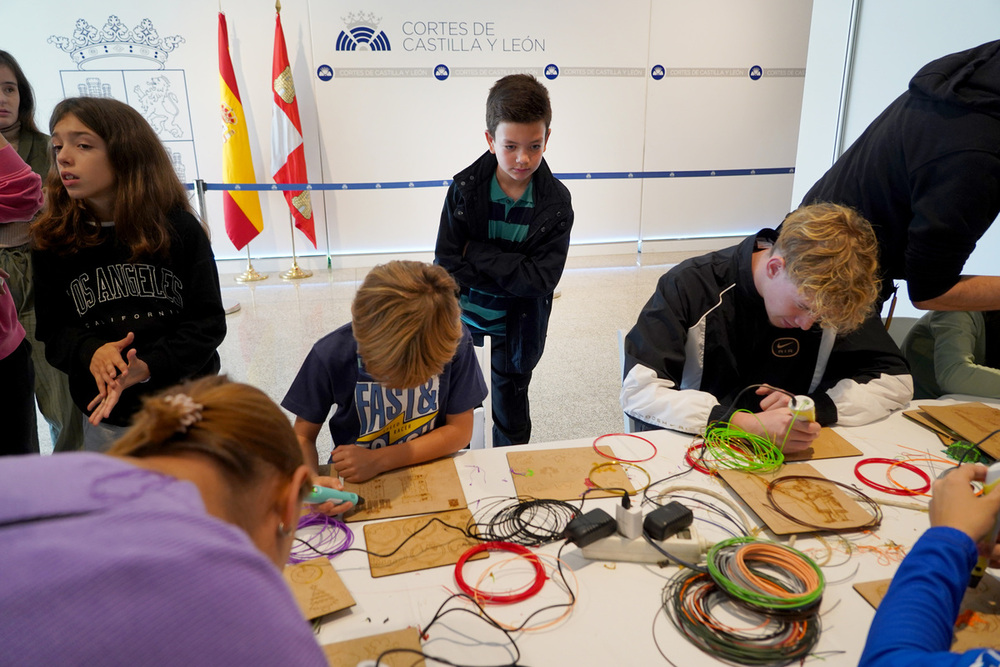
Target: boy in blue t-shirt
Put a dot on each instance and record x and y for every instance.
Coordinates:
(504, 236)
(402, 378)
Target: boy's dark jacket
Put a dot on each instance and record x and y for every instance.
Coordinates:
(527, 271)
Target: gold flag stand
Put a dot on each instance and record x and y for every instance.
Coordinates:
(250, 275)
(294, 273)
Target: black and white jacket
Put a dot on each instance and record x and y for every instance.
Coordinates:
(704, 336)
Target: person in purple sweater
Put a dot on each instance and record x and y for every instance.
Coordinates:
(165, 550)
(914, 623)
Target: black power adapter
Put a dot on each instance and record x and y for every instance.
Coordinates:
(590, 527)
(668, 520)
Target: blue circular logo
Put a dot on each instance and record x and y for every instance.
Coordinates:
(657, 72)
(551, 71)
(325, 72)
(441, 72)
(756, 72)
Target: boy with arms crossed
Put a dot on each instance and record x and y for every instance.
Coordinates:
(504, 236)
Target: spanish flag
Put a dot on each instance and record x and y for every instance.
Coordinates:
(242, 208)
(288, 157)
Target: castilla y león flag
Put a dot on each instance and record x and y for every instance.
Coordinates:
(288, 157)
(241, 207)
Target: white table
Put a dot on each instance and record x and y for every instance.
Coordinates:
(613, 621)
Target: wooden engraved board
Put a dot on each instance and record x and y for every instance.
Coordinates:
(973, 421)
(978, 623)
(433, 546)
(354, 652)
(814, 502)
(829, 445)
(420, 489)
(873, 591)
(317, 587)
(561, 474)
(947, 436)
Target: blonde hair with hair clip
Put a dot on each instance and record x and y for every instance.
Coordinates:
(406, 321)
(831, 255)
(234, 425)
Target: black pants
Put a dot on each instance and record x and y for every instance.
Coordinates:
(17, 402)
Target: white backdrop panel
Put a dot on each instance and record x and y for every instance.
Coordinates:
(693, 207)
(731, 33)
(722, 123)
(611, 210)
(386, 221)
(597, 123)
(384, 124)
(364, 127)
(708, 113)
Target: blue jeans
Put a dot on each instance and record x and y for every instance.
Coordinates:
(100, 438)
(508, 395)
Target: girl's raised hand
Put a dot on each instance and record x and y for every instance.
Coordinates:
(108, 363)
(137, 372)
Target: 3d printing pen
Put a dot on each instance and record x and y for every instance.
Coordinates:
(803, 408)
(321, 494)
(992, 477)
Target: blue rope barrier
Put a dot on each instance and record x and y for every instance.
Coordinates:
(443, 183)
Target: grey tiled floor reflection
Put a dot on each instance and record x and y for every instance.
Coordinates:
(574, 392)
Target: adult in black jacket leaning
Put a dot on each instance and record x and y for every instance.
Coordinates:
(926, 174)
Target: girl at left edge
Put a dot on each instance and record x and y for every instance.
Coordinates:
(51, 386)
(127, 290)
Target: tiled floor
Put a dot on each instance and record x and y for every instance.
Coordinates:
(574, 392)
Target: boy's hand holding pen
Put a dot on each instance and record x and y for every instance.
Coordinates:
(328, 497)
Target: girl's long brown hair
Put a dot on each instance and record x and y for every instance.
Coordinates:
(146, 186)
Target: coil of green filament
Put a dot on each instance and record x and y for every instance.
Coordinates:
(766, 575)
(734, 449)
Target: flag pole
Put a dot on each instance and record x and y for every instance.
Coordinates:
(250, 275)
(294, 273)
(285, 122)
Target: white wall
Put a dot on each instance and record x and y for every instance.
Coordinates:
(826, 74)
(384, 117)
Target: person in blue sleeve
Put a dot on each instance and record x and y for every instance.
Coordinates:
(914, 623)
